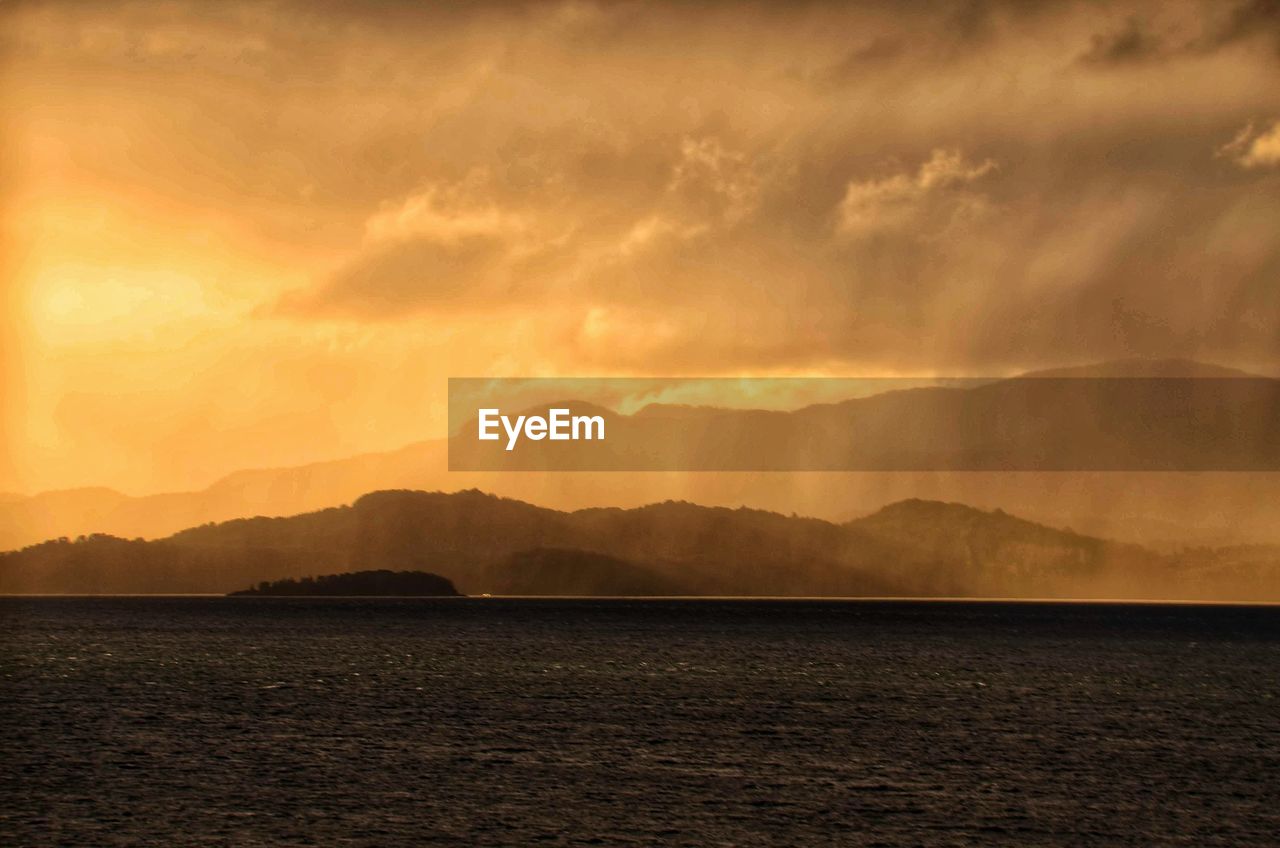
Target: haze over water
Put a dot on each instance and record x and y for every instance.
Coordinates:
(209, 721)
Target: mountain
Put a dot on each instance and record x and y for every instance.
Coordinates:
(1099, 419)
(1160, 508)
(487, 544)
(960, 549)
(1143, 368)
(278, 491)
(565, 571)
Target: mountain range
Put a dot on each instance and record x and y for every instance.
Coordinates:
(1092, 419)
(488, 544)
(1166, 510)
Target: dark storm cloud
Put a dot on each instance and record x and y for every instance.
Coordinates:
(1246, 20)
(1149, 36)
(1132, 42)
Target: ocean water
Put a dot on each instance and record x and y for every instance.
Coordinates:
(385, 722)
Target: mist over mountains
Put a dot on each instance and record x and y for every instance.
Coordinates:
(487, 544)
(1164, 509)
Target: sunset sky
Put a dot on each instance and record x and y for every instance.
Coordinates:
(258, 234)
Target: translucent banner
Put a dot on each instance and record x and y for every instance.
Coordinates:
(1032, 423)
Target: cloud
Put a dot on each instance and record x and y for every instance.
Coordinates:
(402, 279)
(488, 188)
(1173, 32)
(443, 215)
(932, 196)
(444, 248)
(478, 243)
(1133, 42)
(718, 183)
(1253, 148)
(1245, 20)
(862, 61)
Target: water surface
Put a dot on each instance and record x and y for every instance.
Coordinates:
(382, 722)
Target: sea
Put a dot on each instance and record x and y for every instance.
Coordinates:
(199, 721)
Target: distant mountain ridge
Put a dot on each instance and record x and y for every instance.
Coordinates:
(487, 544)
(1225, 508)
(1135, 367)
(1094, 419)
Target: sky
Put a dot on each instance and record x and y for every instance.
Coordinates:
(238, 235)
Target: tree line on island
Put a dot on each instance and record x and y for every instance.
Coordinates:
(377, 583)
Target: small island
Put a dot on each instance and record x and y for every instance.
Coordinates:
(382, 582)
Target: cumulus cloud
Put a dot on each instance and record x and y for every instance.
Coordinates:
(934, 195)
(1253, 148)
(478, 243)
(445, 247)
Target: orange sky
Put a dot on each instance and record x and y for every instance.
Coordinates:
(245, 234)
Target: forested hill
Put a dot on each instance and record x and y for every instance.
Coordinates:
(484, 544)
